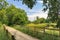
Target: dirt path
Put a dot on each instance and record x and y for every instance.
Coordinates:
(19, 35)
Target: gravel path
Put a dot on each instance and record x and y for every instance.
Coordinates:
(19, 35)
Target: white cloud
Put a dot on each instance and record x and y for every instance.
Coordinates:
(40, 14)
(40, 1)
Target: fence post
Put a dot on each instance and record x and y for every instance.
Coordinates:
(44, 30)
(4, 27)
(13, 38)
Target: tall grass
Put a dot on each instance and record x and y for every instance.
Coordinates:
(3, 34)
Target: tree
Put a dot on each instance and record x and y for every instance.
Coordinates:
(54, 10)
(12, 15)
(16, 15)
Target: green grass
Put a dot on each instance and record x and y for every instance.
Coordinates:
(36, 33)
(54, 32)
(40, 27)
(3, 35)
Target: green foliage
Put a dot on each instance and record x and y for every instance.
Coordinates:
(29, 3)
(54, 8)
(12, 15)
(3, 4)
(39, 20)
(3, 17)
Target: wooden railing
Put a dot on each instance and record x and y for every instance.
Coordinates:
(11, 36)
(44, 30)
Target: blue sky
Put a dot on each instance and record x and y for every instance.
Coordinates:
(31, 13)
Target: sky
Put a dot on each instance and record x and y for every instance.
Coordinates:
(31, 13)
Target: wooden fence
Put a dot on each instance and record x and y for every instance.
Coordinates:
(10, 36)
(46, 28)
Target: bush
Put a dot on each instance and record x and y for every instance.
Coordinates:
(37, 25)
